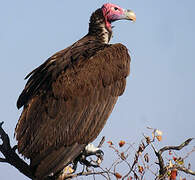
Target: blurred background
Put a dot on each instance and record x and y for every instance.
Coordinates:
(160, 90)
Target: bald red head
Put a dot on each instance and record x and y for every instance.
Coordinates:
(114, 12)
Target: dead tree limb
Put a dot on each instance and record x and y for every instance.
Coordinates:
(10, 155)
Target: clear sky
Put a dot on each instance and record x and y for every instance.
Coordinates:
(160, 91)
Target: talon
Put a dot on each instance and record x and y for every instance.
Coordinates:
(90, 149)
(99, 153)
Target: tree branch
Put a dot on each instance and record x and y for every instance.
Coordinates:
(163, 169)
(68, 176)
(175, 147)
(187, 171)
(10, 155)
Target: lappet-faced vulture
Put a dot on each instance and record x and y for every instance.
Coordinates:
(68, 99)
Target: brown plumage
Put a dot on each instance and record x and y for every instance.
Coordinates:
(68, 99)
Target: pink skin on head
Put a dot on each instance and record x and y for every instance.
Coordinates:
(111, 13)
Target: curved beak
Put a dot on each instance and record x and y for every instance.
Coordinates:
(129, 15)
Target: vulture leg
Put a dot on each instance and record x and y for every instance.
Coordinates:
(90, 150)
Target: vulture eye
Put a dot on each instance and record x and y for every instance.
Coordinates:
(115, 8)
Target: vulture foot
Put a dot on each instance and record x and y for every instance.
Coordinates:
(90, 150)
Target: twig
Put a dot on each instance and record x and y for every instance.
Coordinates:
(188, 171)
(107, 172)
(84, 174)
(189, 153)
(101, 142)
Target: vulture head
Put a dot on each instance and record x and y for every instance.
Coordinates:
(101, 19)
(113, 13)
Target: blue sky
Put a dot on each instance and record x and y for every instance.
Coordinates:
(160, 90)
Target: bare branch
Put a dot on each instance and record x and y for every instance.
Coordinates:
(3, 160)
(101, 142)
(175, 147)
(68, 176)
(189, 153)
(187, 171)
(163, 170)
(10, 155)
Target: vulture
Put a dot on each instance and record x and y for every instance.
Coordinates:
(68, 99)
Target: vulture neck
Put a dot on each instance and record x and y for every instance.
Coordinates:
(97, 27)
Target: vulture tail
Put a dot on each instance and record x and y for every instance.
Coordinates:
(56, 160)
